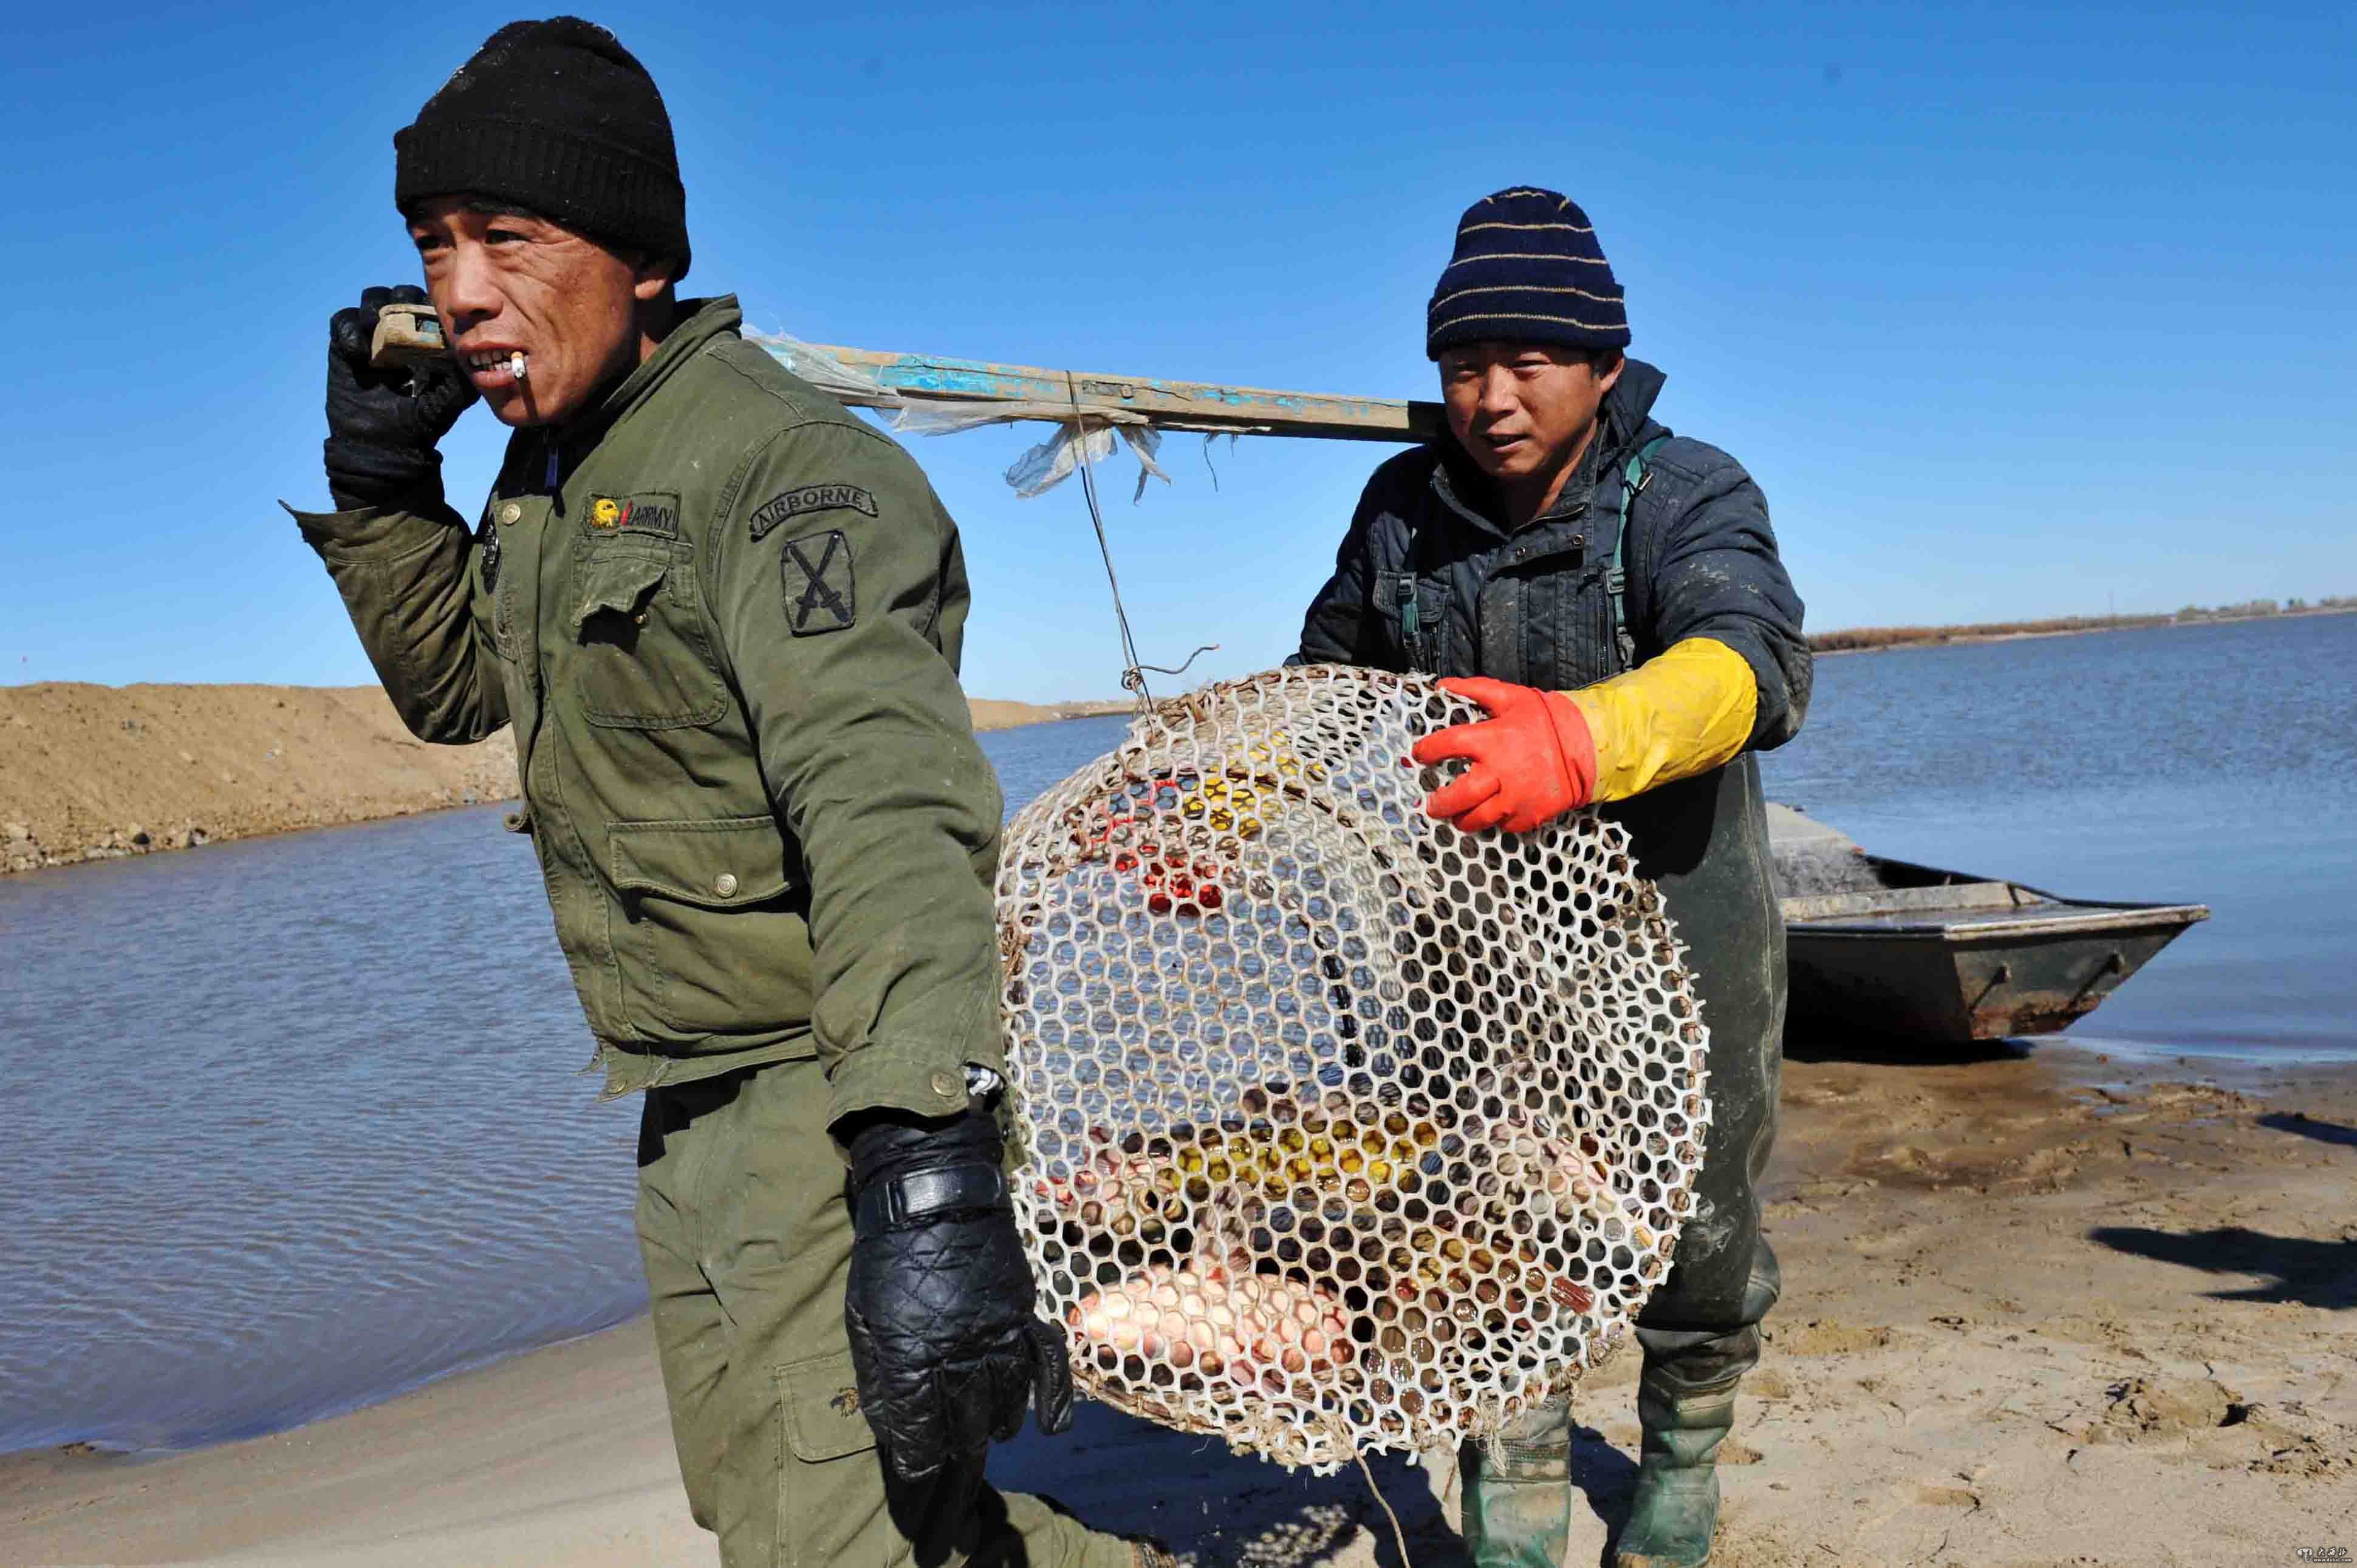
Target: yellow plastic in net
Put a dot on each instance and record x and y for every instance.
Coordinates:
(1339, 1129)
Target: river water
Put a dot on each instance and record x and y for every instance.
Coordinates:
(298, 1122)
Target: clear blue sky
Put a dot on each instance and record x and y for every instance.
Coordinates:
(2012, 309)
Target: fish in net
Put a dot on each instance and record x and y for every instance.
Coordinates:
(1335, 1129)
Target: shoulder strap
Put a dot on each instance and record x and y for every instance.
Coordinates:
(1411, 610)
(1634, 479)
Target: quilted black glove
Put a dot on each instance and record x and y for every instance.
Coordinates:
(383, 426)
(944, 1343)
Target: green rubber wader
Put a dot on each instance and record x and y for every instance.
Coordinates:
(1705, 841)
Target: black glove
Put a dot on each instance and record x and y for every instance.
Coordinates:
(944, 1343)
(383, 426)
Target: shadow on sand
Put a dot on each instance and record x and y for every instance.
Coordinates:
(2309, 1127)
(2311, 1274)
(1118, 1473)
(1607, 1477)
(1901, 1053)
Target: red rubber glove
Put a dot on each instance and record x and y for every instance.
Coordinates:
(1533, 759)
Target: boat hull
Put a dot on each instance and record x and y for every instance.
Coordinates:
(1951, 982)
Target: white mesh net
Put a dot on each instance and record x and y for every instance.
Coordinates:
(1340, 1130)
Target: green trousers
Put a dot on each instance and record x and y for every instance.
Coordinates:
(746, 1240)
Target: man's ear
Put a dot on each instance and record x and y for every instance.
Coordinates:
(650, 277)
(1606, 379)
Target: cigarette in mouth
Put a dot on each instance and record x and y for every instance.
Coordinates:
(516, 366)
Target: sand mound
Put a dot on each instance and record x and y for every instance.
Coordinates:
(90, 772)
(96, 772)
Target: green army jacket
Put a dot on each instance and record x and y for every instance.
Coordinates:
(724, 617)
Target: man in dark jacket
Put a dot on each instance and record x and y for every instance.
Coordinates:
(1612, 595)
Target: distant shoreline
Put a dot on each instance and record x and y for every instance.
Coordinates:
(990, 714)
(91, 772)
(2009, 631)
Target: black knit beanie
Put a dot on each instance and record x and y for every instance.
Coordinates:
(1526, 269)
(560, 119)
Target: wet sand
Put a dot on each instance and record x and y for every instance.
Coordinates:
(2039, 1310)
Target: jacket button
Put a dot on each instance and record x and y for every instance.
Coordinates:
(509, 513)
(947, 1084)
(725, 884)
(1578, 540)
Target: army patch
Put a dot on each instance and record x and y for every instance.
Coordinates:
(807, 499)
(656, 512)
(817, 570)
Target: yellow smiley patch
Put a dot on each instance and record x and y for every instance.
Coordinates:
(605, 512)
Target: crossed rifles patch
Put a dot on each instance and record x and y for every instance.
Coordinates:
(818, 591)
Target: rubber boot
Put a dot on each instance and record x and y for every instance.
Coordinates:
(1675, 1510)
(1517, 1498)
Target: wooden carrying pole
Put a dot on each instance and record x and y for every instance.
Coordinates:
(1028, 391)
(408, 334)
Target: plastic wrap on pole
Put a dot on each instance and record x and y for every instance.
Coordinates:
(1052, 461)
(1091, 438)
(824, 371)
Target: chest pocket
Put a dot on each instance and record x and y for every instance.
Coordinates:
(643, 656)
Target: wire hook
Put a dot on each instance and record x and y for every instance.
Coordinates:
(1134, 679)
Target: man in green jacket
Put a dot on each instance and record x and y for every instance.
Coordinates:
(724, 619)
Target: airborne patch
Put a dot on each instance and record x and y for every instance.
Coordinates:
(808, 498)
(818, 580)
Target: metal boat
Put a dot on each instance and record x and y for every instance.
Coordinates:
(1891, 950)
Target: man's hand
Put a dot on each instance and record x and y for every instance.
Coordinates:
(383, 426)
(945, 1342)
(1533, 759)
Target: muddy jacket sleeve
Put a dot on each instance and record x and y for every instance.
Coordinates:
(407, 573)
(1336, 630)
(1714, 573)
(838, 587)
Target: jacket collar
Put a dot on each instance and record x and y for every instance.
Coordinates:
(700, 321)
(1630, 405)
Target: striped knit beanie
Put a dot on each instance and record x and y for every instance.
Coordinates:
(1526, 269)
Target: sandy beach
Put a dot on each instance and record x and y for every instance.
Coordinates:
(2039, 1310)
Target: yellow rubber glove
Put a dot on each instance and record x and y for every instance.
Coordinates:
(1683, 713)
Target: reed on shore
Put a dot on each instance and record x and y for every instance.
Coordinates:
(1852, 638)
